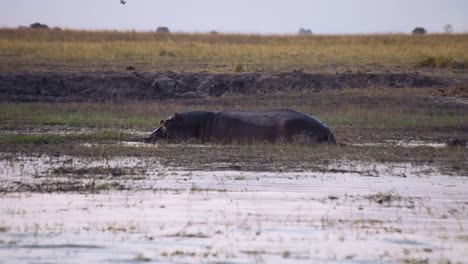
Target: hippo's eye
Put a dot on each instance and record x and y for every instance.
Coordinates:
(169, 122)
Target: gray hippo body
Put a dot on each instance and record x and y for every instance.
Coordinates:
(227, 126)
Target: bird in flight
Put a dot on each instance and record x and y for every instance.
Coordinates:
(123, 2)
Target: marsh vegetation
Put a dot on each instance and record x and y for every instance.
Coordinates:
(76, 179)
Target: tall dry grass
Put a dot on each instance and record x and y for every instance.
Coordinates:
(223, 52)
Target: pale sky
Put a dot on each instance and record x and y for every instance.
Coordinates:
(241, 16)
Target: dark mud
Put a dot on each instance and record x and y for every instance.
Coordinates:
(63, 186)
(132, 85)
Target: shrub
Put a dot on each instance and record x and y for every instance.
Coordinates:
(240, 68)
(162, 30)
(39, 26)
(419, 31)
(448, 28)
(441, 62)
(164, 53)
(305, 31)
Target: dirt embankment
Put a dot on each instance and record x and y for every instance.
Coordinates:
(132, 85)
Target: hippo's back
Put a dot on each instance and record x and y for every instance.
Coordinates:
(268, 125)
(267, 118)
(273, 117)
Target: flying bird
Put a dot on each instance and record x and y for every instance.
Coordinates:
(123, 2)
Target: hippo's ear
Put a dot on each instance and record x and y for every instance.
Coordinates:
(176, 115)
(161, 122)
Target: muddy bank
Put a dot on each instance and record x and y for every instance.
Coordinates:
(132, 85)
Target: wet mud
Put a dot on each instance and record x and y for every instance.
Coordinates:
(132, 85)
(174, 215)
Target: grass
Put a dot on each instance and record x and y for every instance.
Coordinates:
(415, 261)
(102, 136)
(91, 171)
(442, 62)
(224, 52)
(141, 258)
(55, 138)
(383, 198)
(395, 108)
(31, 139)
(69, 186)
(74, 114)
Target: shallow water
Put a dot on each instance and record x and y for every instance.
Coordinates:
(389, 143)
(356, 212)
(66, 130)
(402, 143)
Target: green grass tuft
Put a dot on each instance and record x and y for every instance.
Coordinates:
(54, 138)
(31, 139)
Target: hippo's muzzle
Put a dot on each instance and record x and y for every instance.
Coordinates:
(155, 135)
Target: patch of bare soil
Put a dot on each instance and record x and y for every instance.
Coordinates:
(132, 85)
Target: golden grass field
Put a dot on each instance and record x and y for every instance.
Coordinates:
(33, 49)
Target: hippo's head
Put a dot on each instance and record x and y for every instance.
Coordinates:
(157, 134)
(171, 128)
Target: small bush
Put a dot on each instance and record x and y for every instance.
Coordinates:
(305, 31)
(428, 62)
(457, 64)
(165, 53)
(419, 31)
(240, 68)
(162, 30)
(39, 26)
(441, 62)
(448, 28)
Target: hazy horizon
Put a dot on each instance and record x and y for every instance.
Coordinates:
(242, 16)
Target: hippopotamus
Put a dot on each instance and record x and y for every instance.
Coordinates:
(242, 126)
